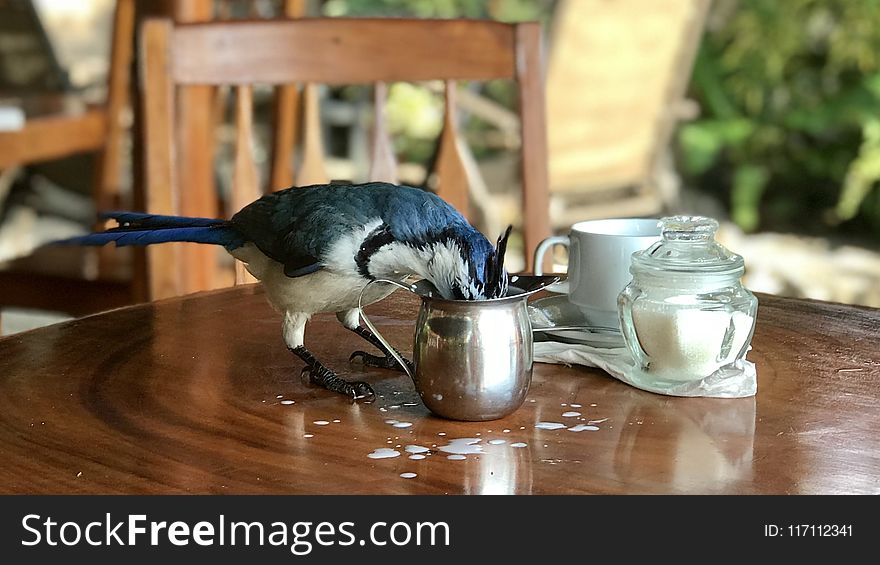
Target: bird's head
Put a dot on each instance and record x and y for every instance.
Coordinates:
(468, 267)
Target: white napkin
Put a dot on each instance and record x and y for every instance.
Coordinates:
(737, 381)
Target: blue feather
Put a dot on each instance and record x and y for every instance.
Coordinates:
(218, 233)
(140, 219)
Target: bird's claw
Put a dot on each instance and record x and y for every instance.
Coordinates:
(380, 362)
(356, 390)
(359, 390)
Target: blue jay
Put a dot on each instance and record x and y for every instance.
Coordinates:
(315, 248)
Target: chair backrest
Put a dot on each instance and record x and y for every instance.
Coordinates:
(616, 73)
(334, 52)
(59, 134)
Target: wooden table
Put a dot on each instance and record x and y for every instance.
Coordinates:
(187, 395)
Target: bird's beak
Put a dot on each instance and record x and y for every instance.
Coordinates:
(497, 278)
(501, 247)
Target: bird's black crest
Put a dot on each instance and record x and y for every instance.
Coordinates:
(496, 280)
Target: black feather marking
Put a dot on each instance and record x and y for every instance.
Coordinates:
(293, 271)
(376, 239)
(496, 281)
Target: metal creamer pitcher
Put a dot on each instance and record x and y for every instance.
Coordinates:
(472, 358)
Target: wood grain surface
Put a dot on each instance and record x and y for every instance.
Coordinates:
(185, 396)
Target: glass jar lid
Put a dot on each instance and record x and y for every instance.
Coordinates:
(688, 245)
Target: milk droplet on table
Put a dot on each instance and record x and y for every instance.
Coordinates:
(287, 402)
(462, 446)
(408, 475)
(570, 414)
(416, 449)
(402, 424)
(383, 453)
(550, 425)
(519, 444)
(456, 457)
(320, 422)
(583, 428)
(497, 441)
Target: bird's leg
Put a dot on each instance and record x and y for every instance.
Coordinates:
(351, 320)
(294, 330)
(321, 375)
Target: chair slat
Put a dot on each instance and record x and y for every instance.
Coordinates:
(163, 261)
(110, 171)
(383, 164)
(452, 182)
(311, 170)
(107, 190)
(53, 137)
(535, 192)
(198, 197)
(286, 123)
(286, 118)
(245, 184)
(283, 52)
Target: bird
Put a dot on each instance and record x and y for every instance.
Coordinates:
(314, 249)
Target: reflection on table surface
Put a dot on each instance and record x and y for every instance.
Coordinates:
(199, 395)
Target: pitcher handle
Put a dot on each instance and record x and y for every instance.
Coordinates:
(372, 328)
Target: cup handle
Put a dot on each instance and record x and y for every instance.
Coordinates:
(373, 329)
(561, 287)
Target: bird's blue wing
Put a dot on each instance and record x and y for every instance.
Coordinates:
(297, 226)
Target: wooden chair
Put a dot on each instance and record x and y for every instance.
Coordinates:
(323, 51)
(76, 281)
(616, 80)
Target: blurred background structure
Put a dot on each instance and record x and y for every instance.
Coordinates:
(765, 115)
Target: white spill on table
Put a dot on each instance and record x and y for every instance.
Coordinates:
(462, 446)
(383, 453)
(550, 425)
(583, 428)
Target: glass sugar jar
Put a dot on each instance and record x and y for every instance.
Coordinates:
(685, 315)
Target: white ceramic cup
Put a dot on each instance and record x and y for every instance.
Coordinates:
(599, 256)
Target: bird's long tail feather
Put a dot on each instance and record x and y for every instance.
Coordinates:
(145, 229)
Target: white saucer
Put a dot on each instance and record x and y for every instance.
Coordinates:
(557, 311)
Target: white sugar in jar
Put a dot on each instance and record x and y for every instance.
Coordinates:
(686, 315)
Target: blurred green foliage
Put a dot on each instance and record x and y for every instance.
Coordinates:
(789, 130)
(502, 10)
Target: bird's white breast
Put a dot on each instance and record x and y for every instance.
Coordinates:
(333, 289)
